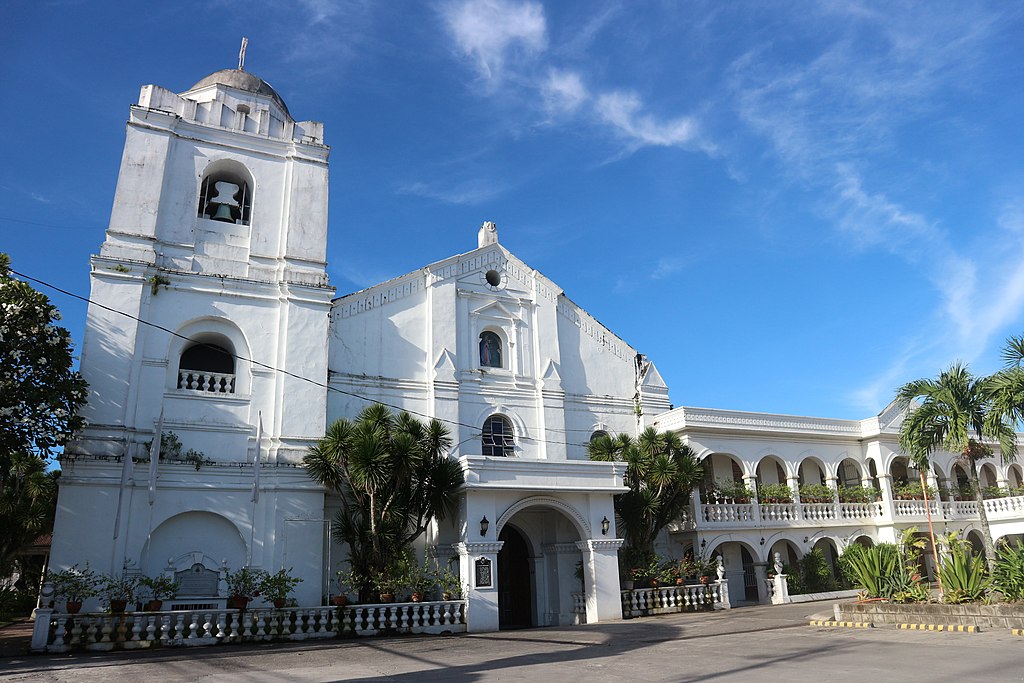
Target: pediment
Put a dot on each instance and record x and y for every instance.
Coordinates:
(652, 379)
(444, 368)
(495, 309)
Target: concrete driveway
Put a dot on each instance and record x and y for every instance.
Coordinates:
(759, 644)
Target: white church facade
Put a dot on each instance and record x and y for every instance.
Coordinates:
(216, 251)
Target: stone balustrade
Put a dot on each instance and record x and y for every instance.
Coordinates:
(61, 632)
(209, 382)
(671, 599)
(784, 515)
(405, 617)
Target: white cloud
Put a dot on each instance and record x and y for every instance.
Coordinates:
(668, 266)
(467, 192)
(563, 91)
(624, 112)
(488, 30)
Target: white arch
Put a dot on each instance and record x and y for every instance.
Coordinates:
(212, 325)
(574, 515)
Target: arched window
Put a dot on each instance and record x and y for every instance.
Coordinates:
(597, 435)
(490, 350)
(498, 438)
(207, 365)
(225, 193)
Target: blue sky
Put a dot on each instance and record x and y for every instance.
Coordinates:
(790, 207)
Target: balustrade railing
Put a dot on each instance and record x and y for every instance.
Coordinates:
(779, 512)
(1004, 507)
(405, 617)
(914, 508)
(210, 382)
(579, 608)
(671, 599)
(859, 511)
(819, 512)
(719, 513)
(61, 632)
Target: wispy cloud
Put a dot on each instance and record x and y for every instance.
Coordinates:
(563, 91)
(486, 31)
(624, 112)
(668, 266)
(468, 192)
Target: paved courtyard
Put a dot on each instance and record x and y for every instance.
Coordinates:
(760, 644)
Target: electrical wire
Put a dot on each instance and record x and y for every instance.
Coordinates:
(322, 385)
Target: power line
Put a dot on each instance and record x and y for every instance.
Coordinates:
(288, 373)
(50, 225)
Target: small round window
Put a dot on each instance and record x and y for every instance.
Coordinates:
(493, 278)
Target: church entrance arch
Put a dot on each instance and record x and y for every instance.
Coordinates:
(539, 563)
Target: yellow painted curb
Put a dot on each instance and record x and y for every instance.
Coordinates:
(1017, 631)
(950, 628)
(843, 624)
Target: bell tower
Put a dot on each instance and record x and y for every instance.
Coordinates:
(210, 311)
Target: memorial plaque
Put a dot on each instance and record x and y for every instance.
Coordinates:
(483, 573)
(197, 580)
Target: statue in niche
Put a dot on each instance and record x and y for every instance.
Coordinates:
(490, 350)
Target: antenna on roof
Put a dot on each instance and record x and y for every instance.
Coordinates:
(241, 54)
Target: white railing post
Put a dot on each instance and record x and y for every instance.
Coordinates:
(41, 630)
(723, 585)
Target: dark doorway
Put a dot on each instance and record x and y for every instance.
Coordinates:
(515, 598)
(749, 576)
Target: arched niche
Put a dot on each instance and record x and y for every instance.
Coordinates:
(184, 535)
(215, 332)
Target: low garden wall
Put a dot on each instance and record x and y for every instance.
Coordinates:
(1000, 616)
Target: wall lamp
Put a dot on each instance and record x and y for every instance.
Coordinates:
(484, 524)
(605, 524)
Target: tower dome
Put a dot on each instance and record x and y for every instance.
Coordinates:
(241, 80)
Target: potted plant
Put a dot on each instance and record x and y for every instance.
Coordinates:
(243, 586)
(119, 590)
(348, 581)
(816, 493)
(857, 494)
(422, 581)
(770, 494)
(450, 583)
(159, 588)
(731, 490)
(74, 586)
(275, 588)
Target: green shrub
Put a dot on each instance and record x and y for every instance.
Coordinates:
(816, 573)
(816, 493)
(857, 494)
(1009, 572)
(882, 572)
(963, 575)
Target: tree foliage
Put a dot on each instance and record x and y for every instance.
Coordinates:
(957, 413)
(393, 477)
(661, 472)
(39, 392)
(39, 398)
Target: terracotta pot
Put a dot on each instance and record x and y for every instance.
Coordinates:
(680, 581)
(387, 597)
(118, 606)
(417, 597)
(280, 602)
(154, 605)
(74, 606)
(705, 580)
(446, 596)
(238, 601)
(339, 600)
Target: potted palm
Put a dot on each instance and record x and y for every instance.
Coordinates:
(275, 588)
(74, 586)
(159, 588)
(243, 586)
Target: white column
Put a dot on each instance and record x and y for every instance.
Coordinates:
(794, 486)
(761, 576)
(601, 578)
(482, 591)
(885, 483)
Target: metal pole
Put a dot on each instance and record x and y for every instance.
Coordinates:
(931, 530)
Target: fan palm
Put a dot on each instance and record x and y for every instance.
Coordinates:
(393, 477)
(958, 413)
(661, 472)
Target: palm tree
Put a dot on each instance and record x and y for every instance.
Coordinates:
(661, 472)
(28, 503)
(393, 476)
(958, 413)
